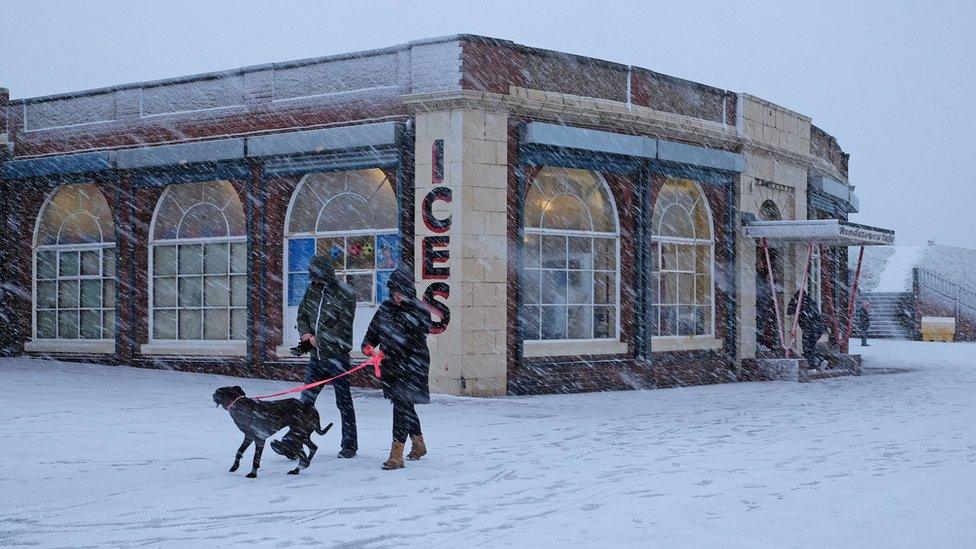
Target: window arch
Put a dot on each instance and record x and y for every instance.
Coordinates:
(74, 266)
(198, 262)
(351, 217)
(570, 279)
(682, 281)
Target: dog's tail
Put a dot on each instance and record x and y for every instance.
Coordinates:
(324, 431)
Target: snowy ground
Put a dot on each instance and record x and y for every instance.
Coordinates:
(103, 456)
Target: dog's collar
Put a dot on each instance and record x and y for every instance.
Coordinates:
(233, 402)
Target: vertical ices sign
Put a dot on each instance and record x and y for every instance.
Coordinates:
(436, 252)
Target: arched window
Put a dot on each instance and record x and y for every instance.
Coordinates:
(199, 263)
(74, 269)
(682, 290)
(571, 252)
(350, 217)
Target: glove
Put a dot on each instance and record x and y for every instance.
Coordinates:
(368, 350)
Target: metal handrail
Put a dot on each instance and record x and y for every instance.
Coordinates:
(960, 297)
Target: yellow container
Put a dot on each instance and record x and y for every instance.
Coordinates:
(938, 328)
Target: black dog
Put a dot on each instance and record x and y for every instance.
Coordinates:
(258, 420)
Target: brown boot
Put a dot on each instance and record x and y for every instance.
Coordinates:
(417, 448)
(396, 457)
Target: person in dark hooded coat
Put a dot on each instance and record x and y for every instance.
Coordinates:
(325, 318)
(811, 323)
(399, 329)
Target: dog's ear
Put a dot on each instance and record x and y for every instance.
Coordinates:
(238, 390)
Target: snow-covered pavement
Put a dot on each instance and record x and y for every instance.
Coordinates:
(105, 456)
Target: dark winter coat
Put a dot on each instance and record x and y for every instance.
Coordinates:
(809, 315)
(327, 310)
(863, 319)
(400, 331)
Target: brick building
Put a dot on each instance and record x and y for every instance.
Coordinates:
(577, 223)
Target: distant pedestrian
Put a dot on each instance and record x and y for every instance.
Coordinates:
(864, 321)
(400, 328)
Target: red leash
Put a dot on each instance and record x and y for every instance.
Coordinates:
(373, 361)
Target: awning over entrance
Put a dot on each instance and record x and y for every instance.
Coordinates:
(827, 232)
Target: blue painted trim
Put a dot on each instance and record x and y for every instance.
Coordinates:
(712, 177)
(56, 165)
(557, 135)
(162, 176)
(382, 134)
(714, 159)
(181, 154)
(535, 155)
(333, 161)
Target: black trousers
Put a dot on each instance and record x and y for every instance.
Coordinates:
(319, 369)
(405, 421)
(810, 337)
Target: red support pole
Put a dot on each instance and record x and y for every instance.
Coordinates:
(852, 300)
(799, 298)
(780, 327)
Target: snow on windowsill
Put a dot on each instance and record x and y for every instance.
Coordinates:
(74, 346)
(532, 349)
(195, 348)
(685, 343)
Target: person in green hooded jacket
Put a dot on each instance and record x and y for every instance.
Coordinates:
(325, 318)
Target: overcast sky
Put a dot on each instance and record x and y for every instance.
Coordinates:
(893, 81)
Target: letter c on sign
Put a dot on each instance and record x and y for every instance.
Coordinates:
(444, 194)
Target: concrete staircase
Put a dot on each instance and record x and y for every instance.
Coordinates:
(887, 315)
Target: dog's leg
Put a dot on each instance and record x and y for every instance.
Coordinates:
(301, 462)
(240, 453)
(258, 448)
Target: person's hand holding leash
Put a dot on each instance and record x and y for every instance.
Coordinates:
(368, 350)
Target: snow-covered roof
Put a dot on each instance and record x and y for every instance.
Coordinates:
(830, 232)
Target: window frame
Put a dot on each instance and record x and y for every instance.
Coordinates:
(552, 345)
(105, 245)
(655, 244)
(171, 346)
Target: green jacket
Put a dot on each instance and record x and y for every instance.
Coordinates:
(327, 311)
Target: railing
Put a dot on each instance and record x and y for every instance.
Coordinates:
(959, 298)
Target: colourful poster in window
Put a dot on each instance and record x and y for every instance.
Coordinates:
(300, 251)
(297, 284)
(382, 293)
(387, 251)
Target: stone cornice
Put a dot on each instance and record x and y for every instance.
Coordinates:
(564, 108)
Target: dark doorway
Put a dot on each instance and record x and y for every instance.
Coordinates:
(767, 337)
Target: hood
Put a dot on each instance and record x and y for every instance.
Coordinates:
(320, 269)
(401, 281)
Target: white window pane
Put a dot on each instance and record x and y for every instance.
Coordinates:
(605, 254)
(164, 260)
(191, 259)
(238, 291)
(554, 322)
(703, 289)
(605, 288)
(47, 264)
(580, 322)
(238, 257)
(604, 322)
(669, 288)
(530, 322)
(362, 286)
(685, 257)
(686, 321)
(704, 320)
(91, 262)
(216, 323)
(164, 324)
(530, 254)
(554, 252)
(68, 294)
(47, 294)
(91, 324)
(216, 291)
(554, 287)
(191, 323)
(580, 287)
(91, 294)
(215, 258)
(68, 324)
(190, 291)
(108, 294)
(580, 253)
(203, 220)
(531, 290)
(108, 324)
(238, 324)
(47, 322)
(108, 257)
(68, 264)
(686, 288)
(76, 214)
(164, 291)
(669, 320)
